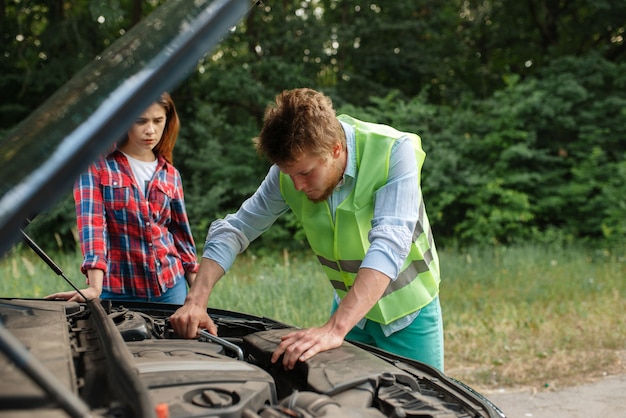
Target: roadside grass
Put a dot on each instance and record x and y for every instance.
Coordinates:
(530, 316)
(534, 316)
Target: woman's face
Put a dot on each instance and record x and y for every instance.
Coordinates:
(146, 131)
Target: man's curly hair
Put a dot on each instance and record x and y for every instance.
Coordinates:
(300, 121)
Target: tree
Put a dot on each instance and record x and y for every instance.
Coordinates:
(519, 104)
(44, 43)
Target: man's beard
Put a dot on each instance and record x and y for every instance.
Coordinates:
(331, 186)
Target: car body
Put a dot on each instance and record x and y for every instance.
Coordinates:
(123, 359)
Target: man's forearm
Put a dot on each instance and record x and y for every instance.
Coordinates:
(367, 289)
(209, 273)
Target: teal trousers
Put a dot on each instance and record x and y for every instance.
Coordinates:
(422, 340)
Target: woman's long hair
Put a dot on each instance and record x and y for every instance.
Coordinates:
(165, 147)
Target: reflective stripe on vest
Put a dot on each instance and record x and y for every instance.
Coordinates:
(341, 245)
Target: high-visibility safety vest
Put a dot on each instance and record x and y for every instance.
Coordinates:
(341, 245)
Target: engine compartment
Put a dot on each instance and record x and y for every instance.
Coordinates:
(125, 360)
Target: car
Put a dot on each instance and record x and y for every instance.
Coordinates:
(104, 358)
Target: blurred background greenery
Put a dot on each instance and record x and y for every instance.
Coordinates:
(520, 105)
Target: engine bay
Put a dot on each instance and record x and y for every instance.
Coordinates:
(123, 361)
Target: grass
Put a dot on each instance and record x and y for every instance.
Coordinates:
(534, 316)
(513, 317)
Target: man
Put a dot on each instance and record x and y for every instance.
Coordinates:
(355, 188)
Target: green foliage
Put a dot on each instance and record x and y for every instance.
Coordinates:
(56, 228)
(535, 141)
(569, 115)
(496, 215)
(44, 43)
(520, 105)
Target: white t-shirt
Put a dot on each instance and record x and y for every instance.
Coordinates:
(143, 171)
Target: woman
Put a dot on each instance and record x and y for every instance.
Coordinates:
(133, 227)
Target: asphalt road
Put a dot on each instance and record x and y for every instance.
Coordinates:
(605, 398)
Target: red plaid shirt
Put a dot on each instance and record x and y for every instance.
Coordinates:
(143, 245)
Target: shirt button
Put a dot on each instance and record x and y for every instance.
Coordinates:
(147, 223)
(149, 244)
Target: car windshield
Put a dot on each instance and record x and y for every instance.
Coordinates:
(44, 153)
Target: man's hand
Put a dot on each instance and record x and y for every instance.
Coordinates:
(193, 316)
(189, 319)
(303, 344)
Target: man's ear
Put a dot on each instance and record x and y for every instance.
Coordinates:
(337, 150)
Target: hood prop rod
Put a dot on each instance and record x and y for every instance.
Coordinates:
(45, 257)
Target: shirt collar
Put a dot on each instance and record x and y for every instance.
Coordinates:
(350, 170)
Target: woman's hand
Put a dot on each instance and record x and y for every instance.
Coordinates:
(95, 278)
(74, 296)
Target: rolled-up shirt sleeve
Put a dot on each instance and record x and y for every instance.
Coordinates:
(232, 235)
(396, 209)
(91, 220)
